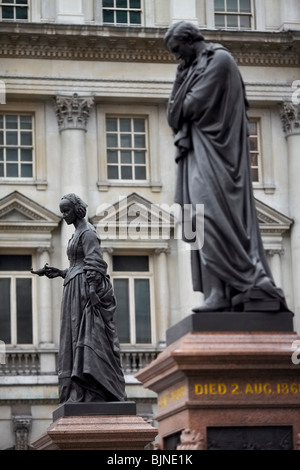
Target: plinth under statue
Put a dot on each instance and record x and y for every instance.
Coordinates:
(226, 379)
(94, 412)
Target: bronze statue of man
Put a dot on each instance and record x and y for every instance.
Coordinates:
(208, 114)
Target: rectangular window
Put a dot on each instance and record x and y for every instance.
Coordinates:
(122, 12)
(255, 152)
(16, 146)
(16, 322)
(14, 10)
(132, 288)
(126, 147)
(233, 14)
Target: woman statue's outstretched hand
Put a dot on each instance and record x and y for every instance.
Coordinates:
(52, 272)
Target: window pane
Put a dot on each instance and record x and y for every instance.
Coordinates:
(121, 289)
(121, 3)
(108, 3)
(135, 17)
(12, 155)
(112, 140)
(1, 138)
(26, 138)
(125, 125)
(245, 6)
(111, 125)
(24, 311)
(131, 263)
(11, 122)
(255, 177)
(220, 21)
(253, 144)
(1, 170)
(8, 13)
(142, 310)
(15, 262)
(112, 156)
(21, 13)
(135, 3)
(26, 171)
(245, 22)
(26, 155)
(5, 310)
(126, 173)
(139, 141)
(254, 160)
(140, 173)
(26, 122)
(252, 127)
(232, 5)
(108, 16)
(1, 155)
(126, 156)
(1, 121)
(139, 125)
(22, 2)
(112, 172)
(140, 157)
(12, 170)
(232, 21)
(219, 5)
(122, 16)
(126, 140)
(12, 138)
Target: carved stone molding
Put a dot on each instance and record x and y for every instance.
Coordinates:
(139, 44)
(22, 427)
(191, 440)
(273, 252)
(73, 111)
(290, 118)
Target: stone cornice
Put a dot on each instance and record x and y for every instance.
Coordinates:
(139, 44)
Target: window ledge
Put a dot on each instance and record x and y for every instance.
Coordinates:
(267, 188)
(40, 185)
(156, 187)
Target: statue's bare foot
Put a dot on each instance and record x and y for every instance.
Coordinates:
(214, 303)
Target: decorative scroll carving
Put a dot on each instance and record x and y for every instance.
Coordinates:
(191, 440)
(22, 427)
(290, 118)
(73, 111)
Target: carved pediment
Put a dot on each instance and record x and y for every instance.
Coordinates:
(136, 215)
(18, 212)
(271, 220)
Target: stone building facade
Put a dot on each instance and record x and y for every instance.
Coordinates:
(83, 94)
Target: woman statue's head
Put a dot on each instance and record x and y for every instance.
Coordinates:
(72, 206)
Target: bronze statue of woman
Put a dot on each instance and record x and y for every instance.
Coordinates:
(89, 368)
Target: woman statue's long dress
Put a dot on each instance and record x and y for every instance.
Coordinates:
(89, 367)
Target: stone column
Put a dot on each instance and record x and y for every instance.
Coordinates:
(107, 256)
(162, 295)
(275, 265)
(184, 11)
(290, 116)
(72, 114)
(44, 303)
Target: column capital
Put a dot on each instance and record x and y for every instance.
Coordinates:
(290, 118)
(73, 111)
(274, 252)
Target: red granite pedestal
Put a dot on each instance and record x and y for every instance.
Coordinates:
(228, 389)
(96, 426)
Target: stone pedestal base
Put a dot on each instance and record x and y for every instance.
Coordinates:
(96, 426)
(227, 390)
